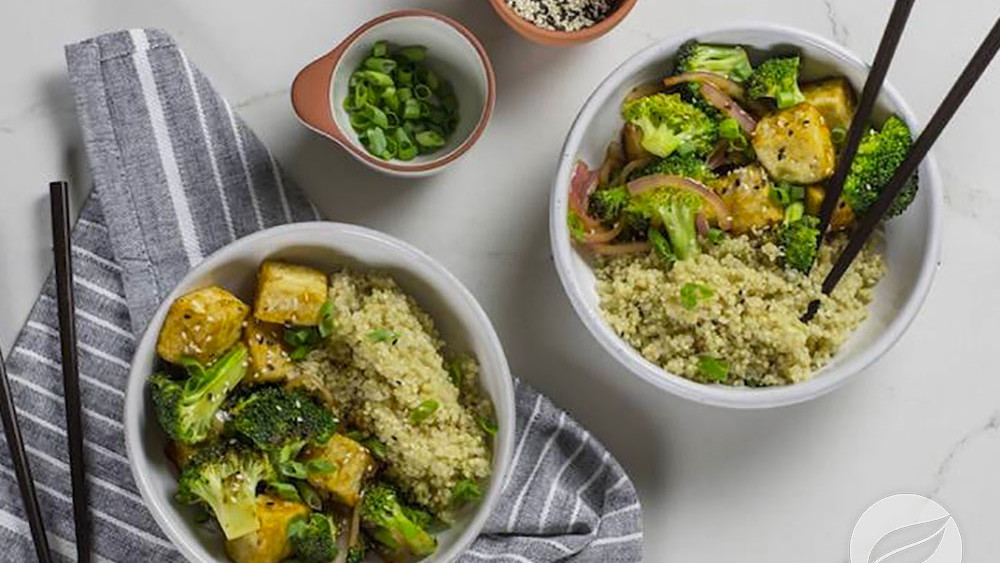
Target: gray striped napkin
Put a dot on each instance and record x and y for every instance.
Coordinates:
(176, 176)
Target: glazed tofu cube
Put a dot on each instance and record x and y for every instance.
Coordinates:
(843, 215)
(202, 325)
(269, 544)
(794, 145)
(352, 463)
(289, 294)
(269, 362)
(834, 98)
(746, 192)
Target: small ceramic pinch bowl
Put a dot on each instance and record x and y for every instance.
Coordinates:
(325, 246)
(453, 52)
(543, 36)
(912, 241)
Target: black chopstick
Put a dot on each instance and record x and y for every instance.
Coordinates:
(59, 197)
(869, 94)
(22, 469)
(942, 116)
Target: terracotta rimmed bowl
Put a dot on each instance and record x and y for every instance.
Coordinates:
(460, 320)
(543, 36)
(319, 89)
(912, 241)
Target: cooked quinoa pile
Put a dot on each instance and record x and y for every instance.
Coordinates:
(747, 316)
(385, 365)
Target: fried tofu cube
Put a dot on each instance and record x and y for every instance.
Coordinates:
(794, 145)
(352, 463)
(747, 193)
(289, 294)
(843, 215)
(202, 325)
(269, 362)
(269, 544)
(834, 98)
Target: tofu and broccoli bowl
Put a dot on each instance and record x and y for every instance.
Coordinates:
(319, 417)
(689, 214)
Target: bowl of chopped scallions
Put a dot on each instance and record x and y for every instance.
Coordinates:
(407, 93)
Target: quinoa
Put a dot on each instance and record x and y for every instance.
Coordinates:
(384, 360)
(751, 320)
(562, 15)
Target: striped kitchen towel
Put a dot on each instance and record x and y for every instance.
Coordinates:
(176, 176)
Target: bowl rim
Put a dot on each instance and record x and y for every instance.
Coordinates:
(532, 31)
(720, 395)
(318, 75)
(504, 402)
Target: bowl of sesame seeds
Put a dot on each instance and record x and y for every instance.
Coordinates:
(562, 22)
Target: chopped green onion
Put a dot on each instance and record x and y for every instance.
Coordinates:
(715, 236)
(382, 335)
(376, 141)
(384, 66)
(309, 495)
(380, 49)
(424, 411)
(430, 139)
(326, 319)
(319, 467)
(489, 426)
(465, 491)
(285, 491)
(356, 435)
(376, 447)
(693, 293)
(404, 94)
(713, 369)
(455, 373)
(414, 54)
(422, 91)
(577, 230)
(299, 353)
(838, 135)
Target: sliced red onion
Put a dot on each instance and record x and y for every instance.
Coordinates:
(719, 155)
(581, 186)
(645, 183)
(633, 166)
(603, 235)
(721, 82)
(621, 248)
(643, 90)
(728, 106)
(702, 224)
(614, 159)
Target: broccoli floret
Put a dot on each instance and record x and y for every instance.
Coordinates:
(670, 124)
(607, 205)
(798, 240)
(674, 210)
(313, 538)
(730, 61)
(778, 79)
(685, 165)
(879, 155)
(281, 422)
(385, 520)
(186, 408)
(225, 477)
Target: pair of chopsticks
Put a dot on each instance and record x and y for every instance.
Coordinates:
(942, 116)
(59, 196)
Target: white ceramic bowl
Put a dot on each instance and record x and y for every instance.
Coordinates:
(912, 240)
(458, 316)
(319, 90)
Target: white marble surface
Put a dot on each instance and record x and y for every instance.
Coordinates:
(716, 485)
